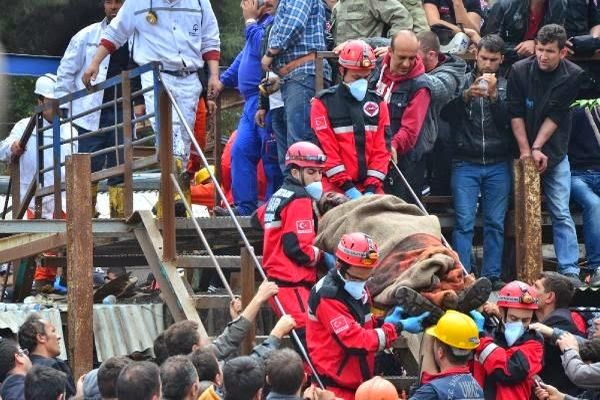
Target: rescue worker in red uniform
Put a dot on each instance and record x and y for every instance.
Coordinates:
(290, 227)
(341, 333)
(351, 124)
(506, 362)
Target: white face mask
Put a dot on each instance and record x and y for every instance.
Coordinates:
(314, 190)
(356, 289)
(513, 331)
(358, 88)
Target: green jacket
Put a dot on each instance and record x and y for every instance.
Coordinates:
(353, 19)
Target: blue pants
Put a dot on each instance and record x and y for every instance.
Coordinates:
(493, 181)
(297, 93)
(556, 183)
(585, 191)
(103, 141)
(252, 143)
(279, 127)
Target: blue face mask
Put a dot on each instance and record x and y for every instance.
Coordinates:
(513, 331)
(314, 190)
(358, 89)
(356, 289)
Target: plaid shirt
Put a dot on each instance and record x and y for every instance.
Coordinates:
(299, 29)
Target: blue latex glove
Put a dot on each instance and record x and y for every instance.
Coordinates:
(395, 316)
(478, 318)
(353, 193)
(414, 324)
(329, 260)
(58, 287)
(368, 194)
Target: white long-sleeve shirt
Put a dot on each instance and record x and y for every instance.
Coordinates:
(77, 57)
(29, 160)
(185, 32)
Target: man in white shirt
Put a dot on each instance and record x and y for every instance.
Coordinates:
(78, 55)
(182, 35)
(29, 163)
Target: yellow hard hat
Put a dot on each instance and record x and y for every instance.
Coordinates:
(203, 175)
(456, 330)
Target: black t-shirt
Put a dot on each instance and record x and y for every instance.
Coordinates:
(446, 9)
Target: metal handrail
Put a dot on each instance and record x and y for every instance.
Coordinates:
(57, 141)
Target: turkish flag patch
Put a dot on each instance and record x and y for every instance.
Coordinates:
(371, 108)
(339, 325)
(320, 123)
(304, 226)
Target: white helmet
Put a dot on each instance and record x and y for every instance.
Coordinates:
(458, 45)
(44, 86)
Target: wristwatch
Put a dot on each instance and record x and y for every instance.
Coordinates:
(269, 54)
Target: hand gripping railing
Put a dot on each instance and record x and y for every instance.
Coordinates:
(247, 244)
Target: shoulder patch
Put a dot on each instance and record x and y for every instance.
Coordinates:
(339, 325)
(371, 108)
(304, 226)
(321, 123)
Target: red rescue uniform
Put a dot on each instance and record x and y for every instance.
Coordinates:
(289, 257)
(343, 337)
(353, 136)
(507, 372)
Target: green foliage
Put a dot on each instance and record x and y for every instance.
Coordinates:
(21, 104)
(589, 103)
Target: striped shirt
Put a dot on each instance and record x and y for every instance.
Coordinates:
(299, 29)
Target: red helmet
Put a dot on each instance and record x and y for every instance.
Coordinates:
(517, 294)
(356, 54)
(305, 155)
(358, 249)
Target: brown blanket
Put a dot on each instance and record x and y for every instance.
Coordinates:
(411, 251)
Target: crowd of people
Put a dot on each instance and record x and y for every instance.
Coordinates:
(528, 344)
(402, 111)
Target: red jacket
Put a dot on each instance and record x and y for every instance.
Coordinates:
(342, 334)
(507, 373)
(290, 229)
(353, 136)
(407, 118)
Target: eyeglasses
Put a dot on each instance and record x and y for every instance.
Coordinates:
(23, 352)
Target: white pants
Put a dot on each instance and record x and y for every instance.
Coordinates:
(186, 92)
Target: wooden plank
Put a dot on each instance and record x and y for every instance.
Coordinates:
(173, 289)
(166, 185)
(79, 263)
(247, 277)
(127, 150)
(29, 244)
(528, 220)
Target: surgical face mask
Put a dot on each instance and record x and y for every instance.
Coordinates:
(513, 331)
(358, 89)
(356, 289)
(314, 190)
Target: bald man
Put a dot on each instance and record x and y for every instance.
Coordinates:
(399, 78)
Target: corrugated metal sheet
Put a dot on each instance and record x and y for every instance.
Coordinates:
(122, 329)
(12, 317)
(119, 329)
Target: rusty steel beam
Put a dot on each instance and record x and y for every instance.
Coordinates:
(166, 186)
(247, 277)
(80, 250)
(128, 150)
(29, 244)
(528, 220)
